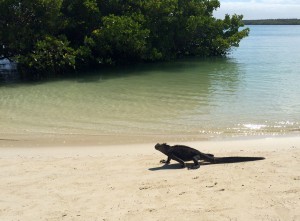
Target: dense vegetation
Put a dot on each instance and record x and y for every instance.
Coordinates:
(273, 22)
(51, 37)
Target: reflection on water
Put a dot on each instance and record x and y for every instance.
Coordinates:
(247, 94)
(168, 98)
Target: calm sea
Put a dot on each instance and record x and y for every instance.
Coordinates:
(255, 91)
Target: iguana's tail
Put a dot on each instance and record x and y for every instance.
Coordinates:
(209, 154)
(208, 157)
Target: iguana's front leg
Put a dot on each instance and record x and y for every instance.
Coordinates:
(166, 161)
(178, 160)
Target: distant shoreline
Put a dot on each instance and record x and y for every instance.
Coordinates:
(272, 22)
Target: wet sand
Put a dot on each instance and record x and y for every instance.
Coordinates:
(45, 180)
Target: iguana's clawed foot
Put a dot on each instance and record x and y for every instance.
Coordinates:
(164, 161)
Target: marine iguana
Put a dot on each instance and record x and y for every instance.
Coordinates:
(181, 153)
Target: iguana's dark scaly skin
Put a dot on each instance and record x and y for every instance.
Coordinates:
(181, 153)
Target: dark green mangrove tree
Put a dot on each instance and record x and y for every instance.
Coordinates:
(51, 37)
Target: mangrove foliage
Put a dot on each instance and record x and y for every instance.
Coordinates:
(52, 37)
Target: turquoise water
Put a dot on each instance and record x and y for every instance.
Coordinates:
(255, 91)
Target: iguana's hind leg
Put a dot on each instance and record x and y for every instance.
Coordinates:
(196, 163)
(208, 157)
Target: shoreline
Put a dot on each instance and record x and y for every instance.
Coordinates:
(249, 144)
(127, 182)
(77, 140)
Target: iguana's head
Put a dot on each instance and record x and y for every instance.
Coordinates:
(164, 148)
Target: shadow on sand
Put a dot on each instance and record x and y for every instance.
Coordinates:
(219, 160)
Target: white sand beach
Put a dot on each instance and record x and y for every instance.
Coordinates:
(127, 182)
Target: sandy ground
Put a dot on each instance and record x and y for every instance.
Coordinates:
(127, 182)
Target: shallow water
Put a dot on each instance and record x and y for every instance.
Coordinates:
(255, 91)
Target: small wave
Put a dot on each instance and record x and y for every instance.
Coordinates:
(255, 126)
